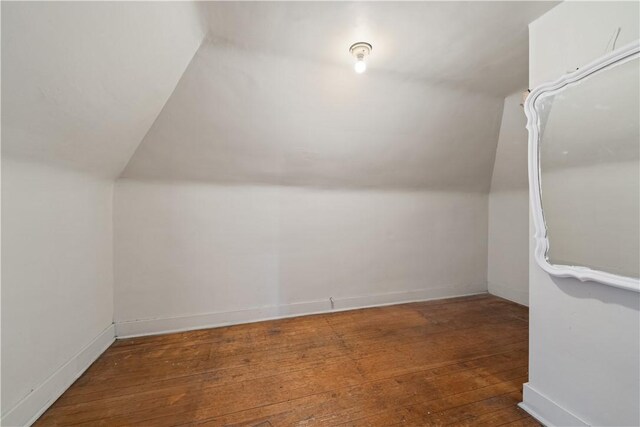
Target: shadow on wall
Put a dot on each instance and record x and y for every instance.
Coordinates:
(598, 291)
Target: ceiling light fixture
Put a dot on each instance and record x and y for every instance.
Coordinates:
(360, 51)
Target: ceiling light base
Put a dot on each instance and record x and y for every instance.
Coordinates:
(360, 50)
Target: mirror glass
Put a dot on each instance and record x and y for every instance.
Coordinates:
(590, 170)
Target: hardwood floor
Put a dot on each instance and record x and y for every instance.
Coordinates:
(449, 362)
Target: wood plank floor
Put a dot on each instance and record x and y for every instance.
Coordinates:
(458, 361)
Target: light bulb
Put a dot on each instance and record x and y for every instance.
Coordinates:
(360, 51)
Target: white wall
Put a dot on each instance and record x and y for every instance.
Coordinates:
(81, 84)
(508, 254)
(57, 271)
(196, 249)
(584, 337)
(270, 183)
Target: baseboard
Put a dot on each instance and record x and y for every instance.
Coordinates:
(509, 293)
(545, 410)
(27, 411)
(135, 328)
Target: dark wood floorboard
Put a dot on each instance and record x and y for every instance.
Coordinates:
(458, 361)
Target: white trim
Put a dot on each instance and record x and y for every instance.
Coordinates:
(29, 409)
(540, 236)
(545, 410)
(142, 327)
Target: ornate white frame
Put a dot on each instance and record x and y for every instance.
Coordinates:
(533, 123)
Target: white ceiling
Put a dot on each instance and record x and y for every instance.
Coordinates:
(243, 117)
(271, 96)
(479, 45)
(82, 82)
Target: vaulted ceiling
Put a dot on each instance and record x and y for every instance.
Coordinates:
(269, 96)
(82, 82)
(242, 117)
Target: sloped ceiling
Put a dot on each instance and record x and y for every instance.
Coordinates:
(82, 82)
(271, 96)
(239, 117)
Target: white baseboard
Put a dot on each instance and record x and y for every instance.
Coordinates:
(508, 292)
(136, 328)
(27, 411)
(545, 410)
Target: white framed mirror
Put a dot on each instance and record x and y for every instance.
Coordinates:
(584, 171)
